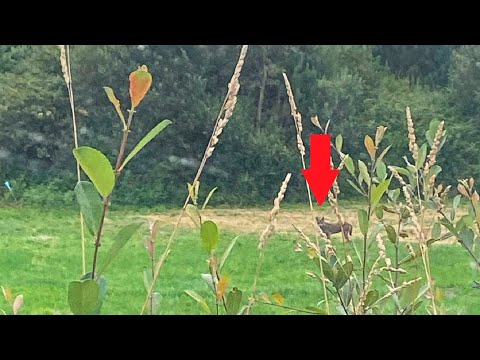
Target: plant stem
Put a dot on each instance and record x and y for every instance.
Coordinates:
(364, 264)
(197, 177)
(75, 140)
(341, 301)
(106, 201)
(397, 245)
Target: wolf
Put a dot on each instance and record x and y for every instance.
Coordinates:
(329, 228)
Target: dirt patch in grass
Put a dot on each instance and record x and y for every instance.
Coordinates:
(255, 220)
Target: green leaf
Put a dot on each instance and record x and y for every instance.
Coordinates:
(422, 155)
(379, 212)
(449, 226)
(316, 310)
(378, 191)
(356, 187)
(364, 171)
(384, 152)
(209, 235)
(467, 236)
(149, 137)
(327, 271)
(436, 231)
(434, 170)
(350, 165)
(97, 167)
(341, 274)
(339, 142)
(210, 194)
(226, 254)
(409, 294)
(83, 296)
(363, 221)
(209, 281)
(200, 300)
(456, 201)
(147, 278)
(90, 205)
(120, 240)
(233, 302)
(381, 170)
(102, 283)
(391, 233)
(372, 297)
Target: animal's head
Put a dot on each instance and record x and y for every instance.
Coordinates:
(321, 221)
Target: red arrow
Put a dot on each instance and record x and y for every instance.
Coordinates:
(320, 176)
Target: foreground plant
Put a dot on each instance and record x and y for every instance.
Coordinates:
(86, 296)
(224, 116)
(216, 280)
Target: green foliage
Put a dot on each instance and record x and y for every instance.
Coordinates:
(353, 86)
(90, 205)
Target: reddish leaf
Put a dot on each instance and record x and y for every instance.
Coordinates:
(370, 146)
(222, 286)
(140, 82)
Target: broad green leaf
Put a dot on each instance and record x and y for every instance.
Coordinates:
(233, 302)
(436, 231)
(422, 155)
(363, 221)
(381, 170)
(371, 298)
(209, 235)
(341, 274)
(449, 226)
(391, 233)
(350, 165)
(90, 205)
(97, 167)
(327, 271)
(434, 170)
(339, 142)
(378, 191)
(200, 300)
(364, 171)
(227, 253)
(356, 187)
(83, 296)
(467, 236)
(102, 283)
(210, 194)
(149, 137)
(120, 240)
(379, 212)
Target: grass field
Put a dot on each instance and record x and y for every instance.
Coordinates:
(40, 254)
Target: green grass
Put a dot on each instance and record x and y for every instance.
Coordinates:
(40, 254)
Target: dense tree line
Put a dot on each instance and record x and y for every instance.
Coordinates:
(355, 87)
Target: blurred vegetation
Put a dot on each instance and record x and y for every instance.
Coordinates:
(356, 87)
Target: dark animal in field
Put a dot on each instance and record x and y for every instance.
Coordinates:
(330, 228)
